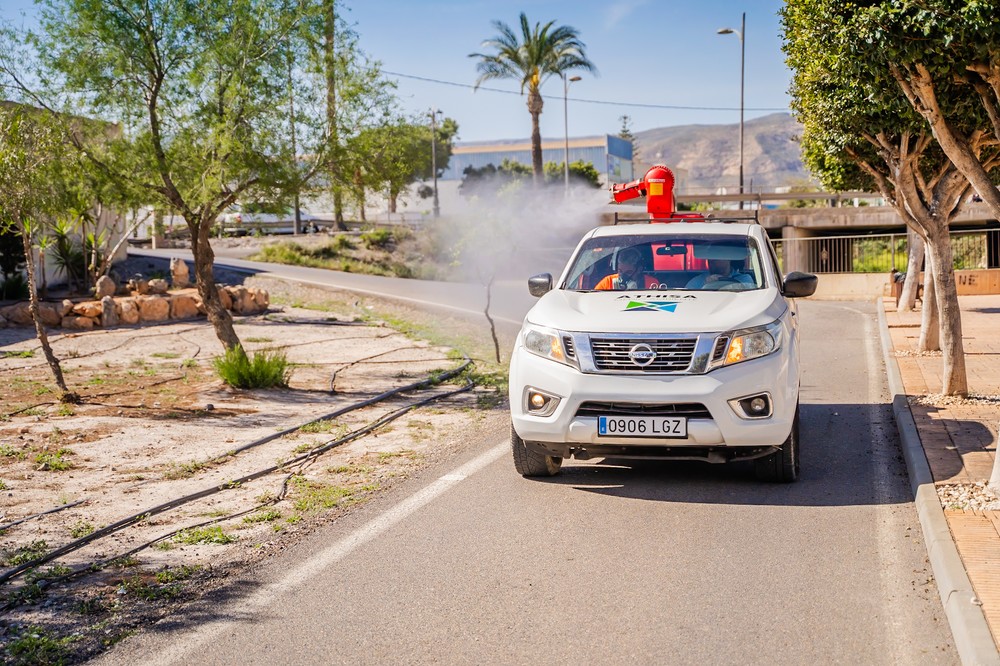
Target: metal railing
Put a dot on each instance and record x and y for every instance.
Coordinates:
(978, 248)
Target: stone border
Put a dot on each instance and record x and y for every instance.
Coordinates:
(973, 639)
(135, 308)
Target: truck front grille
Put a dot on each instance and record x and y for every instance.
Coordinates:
(673, 355)
(692, 410)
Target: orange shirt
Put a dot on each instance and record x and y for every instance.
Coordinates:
(609, 281)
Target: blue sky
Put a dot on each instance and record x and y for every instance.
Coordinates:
(652, 52)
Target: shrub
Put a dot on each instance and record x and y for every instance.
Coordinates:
(266, 369)
(378, 238)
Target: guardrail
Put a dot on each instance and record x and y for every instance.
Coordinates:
(884, 253)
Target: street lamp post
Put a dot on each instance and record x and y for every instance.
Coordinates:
(740, 33)
(434, 169)
(566, 83)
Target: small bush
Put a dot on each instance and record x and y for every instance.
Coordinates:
(197, 535)
(266, 369)
(377, 238)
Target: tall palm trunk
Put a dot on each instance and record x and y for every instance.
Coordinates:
(535, 104)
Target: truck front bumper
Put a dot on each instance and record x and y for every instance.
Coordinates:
(718, 436)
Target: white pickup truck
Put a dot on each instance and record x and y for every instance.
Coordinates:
(662, 341)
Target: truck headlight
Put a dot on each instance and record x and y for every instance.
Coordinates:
(753, 343)
(546, 342)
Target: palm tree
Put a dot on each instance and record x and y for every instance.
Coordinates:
(539, 53)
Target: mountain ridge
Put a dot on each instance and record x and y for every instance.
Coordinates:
(706, 157)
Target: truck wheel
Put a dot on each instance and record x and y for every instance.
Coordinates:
(782, 466)
(529, 462)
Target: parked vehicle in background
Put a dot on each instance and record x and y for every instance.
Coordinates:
(265, 219)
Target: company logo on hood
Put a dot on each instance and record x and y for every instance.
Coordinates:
(651, 306)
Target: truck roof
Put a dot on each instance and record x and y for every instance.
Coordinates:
(676, 228)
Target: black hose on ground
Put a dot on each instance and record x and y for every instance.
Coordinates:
(180, 501)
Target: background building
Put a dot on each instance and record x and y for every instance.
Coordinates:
(610, 155)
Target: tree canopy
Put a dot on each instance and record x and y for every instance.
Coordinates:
(538, 53)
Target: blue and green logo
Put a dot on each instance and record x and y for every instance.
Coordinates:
(651, 306)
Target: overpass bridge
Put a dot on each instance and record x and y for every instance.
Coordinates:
(854, 234)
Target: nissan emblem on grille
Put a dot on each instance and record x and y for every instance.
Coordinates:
(642, 354)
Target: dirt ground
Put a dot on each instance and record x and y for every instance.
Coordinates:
(156, 425)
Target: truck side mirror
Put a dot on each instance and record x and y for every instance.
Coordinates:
(539, 285)
(799, 285)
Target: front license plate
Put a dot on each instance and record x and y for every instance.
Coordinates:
(642, 426)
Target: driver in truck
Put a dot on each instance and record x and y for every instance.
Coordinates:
(720, 272)
(630, 274)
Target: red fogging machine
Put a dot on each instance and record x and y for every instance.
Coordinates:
(658, 188)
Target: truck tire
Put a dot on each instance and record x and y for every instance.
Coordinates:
(782, 466)
(529, 462)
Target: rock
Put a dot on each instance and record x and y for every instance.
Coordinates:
(109, 315)
(180, 277)
(77, 323)
(226, 298)
(183, 307)
(158, 286)
(50, 314)
(153, 308)
(105, 287)
(138, 285)
(17, 314)
(3, 322)
(66, 307)
(128, 311)
(261, 299)
(91, 309)
(242, 303)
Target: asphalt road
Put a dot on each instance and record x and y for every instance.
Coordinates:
(680, 563)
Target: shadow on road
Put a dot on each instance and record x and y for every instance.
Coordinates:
(840, 467)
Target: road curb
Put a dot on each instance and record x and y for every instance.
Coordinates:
(969, 629)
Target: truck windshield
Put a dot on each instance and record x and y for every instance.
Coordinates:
(675, 261)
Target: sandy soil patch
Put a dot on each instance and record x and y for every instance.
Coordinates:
(156, 425)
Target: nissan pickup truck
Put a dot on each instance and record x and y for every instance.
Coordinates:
(666, 340)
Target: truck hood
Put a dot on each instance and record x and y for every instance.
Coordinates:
(656, 312)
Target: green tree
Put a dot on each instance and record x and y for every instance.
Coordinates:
(531, 58)
(859, 131)
(945, 57)
(626, 133)
(201, 92)
(580, 172)
(33, 152)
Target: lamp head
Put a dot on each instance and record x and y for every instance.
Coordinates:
(725, 31)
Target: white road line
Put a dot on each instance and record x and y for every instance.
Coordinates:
(181, 649)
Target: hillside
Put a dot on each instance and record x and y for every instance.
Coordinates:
(706, 157)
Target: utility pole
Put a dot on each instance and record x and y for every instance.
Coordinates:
(566, 83)
(434, 167)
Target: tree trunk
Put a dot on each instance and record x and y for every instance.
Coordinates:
(915, 257)
(29, 259)
(330, 66)
(930, 326)
(995, 476)
(204, 258)
(921, 92)
(946, 295)
(535, 109)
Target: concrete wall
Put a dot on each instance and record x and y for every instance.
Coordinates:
(866, 286)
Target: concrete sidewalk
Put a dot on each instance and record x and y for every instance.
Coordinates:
(958, 438)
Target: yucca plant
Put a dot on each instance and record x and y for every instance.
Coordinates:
(267, 368)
